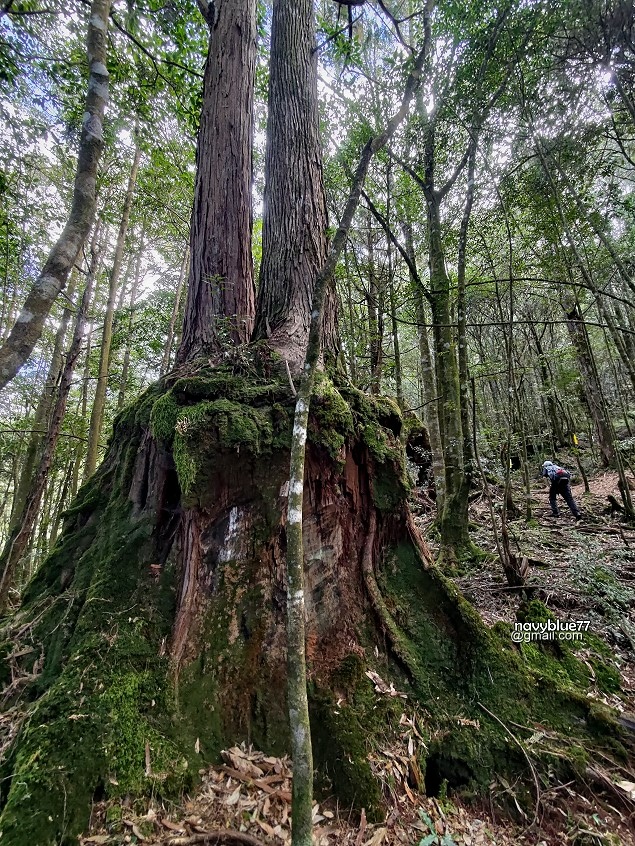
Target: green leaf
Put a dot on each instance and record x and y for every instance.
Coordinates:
(426, 819)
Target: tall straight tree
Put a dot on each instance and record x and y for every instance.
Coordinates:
(294, 242)
(28, 327)
(221, 294)
(99, 403)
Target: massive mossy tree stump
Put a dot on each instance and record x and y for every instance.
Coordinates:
(156, 625)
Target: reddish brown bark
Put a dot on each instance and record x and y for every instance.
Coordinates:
(221, 296)
(295, 218)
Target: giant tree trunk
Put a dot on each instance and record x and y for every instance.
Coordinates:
(158, 619)
(28, 327)
(294, 226)
(219, 308)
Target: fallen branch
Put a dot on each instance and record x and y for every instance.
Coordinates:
(224, 836)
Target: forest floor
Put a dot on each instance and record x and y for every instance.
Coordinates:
(583, 571)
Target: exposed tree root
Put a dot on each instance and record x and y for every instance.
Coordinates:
(395, 636)
(417, 540)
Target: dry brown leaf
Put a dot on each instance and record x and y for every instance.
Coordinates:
(138, 834)
(378, 837)
(172, 826)
(266, 827)
(627, 787)
(233, 798)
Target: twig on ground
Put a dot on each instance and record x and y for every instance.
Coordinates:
(221, 837)
(524, 751)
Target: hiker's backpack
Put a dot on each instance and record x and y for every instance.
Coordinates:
(561, 473)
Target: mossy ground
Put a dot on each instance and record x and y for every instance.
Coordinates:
(107, 714)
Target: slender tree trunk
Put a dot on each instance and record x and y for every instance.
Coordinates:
(548, 390)
(623, 341)
(19, 540)
(464, 369)
(352, 321)
(134, 292)
(167, 353)
(294, 242)
(298, 708)
(392, 292)
(395, 332)
(593, 395)
(59, 505)
(428, 378)
(99, 402)
(375, 315)
(220, 298)
(28, 327)
(454, 520)
(40, 420)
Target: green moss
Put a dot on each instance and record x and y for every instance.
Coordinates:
(331, 420)
(211, 428)
(164, 416)
(348, 674)
(341, 737)
(224, 384)
(534, 611)
(128, 703)
(378, 425)
(559, 665)
(607, 677)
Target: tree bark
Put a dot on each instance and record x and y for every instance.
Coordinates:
(40, 420)
(134, 293)
(592, 390)
(219, 308)
(99, 402)
(453, 521)
(167, 353)
(294, 237)
(28, 327)
(18, 541)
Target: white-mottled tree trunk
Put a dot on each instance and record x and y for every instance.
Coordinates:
(29, 324)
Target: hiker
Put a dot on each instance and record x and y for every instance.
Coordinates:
(560, 484)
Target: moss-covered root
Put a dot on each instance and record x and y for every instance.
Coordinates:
(398, 642)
